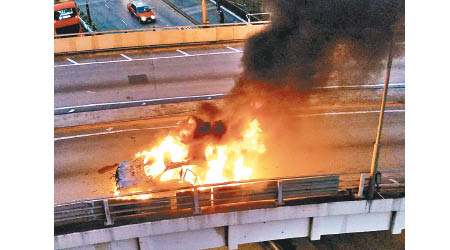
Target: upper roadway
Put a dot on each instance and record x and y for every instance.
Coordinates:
(172, 72)
(113, 15)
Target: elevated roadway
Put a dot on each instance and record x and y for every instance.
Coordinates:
(182, 71)
(86, 157)
(239, 227)
(113, 15)
(196, 70)
(168, 73)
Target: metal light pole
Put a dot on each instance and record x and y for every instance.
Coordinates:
(203, 12)
(88, 13)
(376, 148)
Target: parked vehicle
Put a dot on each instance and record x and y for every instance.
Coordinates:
(141, 11)
(66, 19)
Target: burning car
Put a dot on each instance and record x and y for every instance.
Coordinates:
(194, 154)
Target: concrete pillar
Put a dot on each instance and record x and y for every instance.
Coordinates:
(354, 223)
(233, 236)
(315, 228)
(398, 222)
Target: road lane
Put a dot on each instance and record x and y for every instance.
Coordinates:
(347, 146)
(205, 70)
(113, 15)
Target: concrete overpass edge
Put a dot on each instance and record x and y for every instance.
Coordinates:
(242, 227)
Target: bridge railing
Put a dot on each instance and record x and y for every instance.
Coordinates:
(191, 200)
(155, 36)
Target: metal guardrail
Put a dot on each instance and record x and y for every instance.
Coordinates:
(250, 15)
(191, 200)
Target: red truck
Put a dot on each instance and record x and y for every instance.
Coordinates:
(66, 19)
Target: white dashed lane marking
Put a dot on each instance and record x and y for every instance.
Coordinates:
(126, 57)
(233, 49)
(72, 61)
(182, 52)
(150, 58)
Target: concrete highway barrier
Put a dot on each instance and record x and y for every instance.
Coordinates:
(136, 38)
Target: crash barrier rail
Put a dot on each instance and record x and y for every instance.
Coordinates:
(156, 36)
(192, 200)
(259, 16)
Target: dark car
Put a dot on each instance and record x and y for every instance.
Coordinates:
(141, 11)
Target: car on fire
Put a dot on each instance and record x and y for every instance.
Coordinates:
(141, 11)
(130, 174)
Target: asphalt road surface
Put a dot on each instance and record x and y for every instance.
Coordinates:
(185, 71)
(170, 73)
(346, 146)
(113, 15)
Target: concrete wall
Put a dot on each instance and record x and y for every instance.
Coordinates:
(232, 229)
(148, 38)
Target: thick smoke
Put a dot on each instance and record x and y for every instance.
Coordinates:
(309, 44)
(312, 43)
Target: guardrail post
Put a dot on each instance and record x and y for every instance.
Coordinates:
(361, 186)
(108, 221)
(196, 205)
(280, 193)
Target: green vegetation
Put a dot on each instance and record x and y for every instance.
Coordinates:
(86, 19)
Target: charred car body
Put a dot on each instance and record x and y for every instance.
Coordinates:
(130, 175)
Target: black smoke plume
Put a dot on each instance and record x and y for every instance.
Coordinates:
(311, 43)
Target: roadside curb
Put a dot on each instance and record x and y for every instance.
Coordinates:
(173, 6)
(395, 95)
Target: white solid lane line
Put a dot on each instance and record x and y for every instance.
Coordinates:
(358, 86)
(109, 132)
(353, 112)
(159, 99)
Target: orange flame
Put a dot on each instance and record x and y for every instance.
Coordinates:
(233, 161)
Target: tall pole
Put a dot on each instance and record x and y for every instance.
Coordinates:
(377, 145)
(88, 13)
(203, 12)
